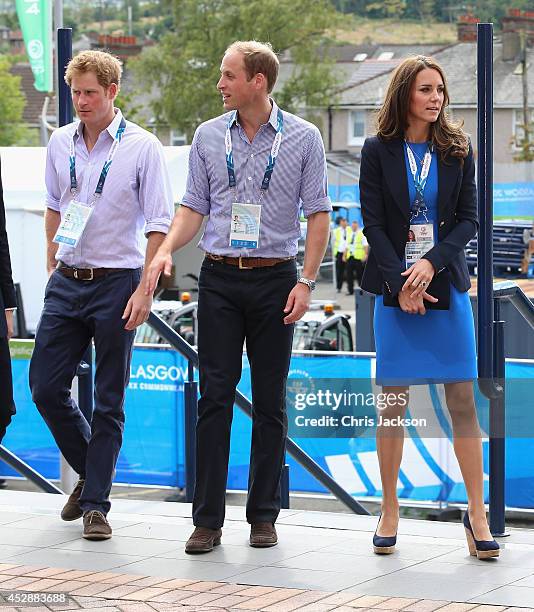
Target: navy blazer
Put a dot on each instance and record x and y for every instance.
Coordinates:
(7, 290)
(385, 202)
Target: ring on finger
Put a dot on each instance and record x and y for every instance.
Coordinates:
(423, 284)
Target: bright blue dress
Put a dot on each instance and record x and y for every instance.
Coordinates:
(437, 347)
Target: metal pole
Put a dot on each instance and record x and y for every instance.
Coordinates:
(58, 23)
(485, 200)
(83, 388)
(497, 433)
(490, 328)
(190, 424)
(284, 487)
(25, 470)
(64, 55)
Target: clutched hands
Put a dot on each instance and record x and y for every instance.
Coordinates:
(414, 305)
(414, 291)
(420, 274)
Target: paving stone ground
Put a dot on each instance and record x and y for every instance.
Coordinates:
(324, 561)
(26, 588)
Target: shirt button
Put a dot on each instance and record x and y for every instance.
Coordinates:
(249, 178)
(252, 155)
(442, 224)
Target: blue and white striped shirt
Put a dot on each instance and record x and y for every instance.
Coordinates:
(299, 180)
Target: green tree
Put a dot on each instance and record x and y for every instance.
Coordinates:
(12, 103)
(387, 8)
(130, 107)
(183, 68)
(425, 8)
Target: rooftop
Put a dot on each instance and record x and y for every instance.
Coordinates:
(459, 62)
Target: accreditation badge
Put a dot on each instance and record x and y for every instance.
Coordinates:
(420, 241)
(73, 224)
(245, 226)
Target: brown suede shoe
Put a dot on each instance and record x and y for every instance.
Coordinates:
(263, 535)
(72, 510)
(203, 540)
(96, 526)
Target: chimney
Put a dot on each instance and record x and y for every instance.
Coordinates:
(515, 21)
(467, 28)
(511, 46)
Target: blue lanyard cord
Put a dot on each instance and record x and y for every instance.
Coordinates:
(106, 166)
(272, 156)
(419, 181)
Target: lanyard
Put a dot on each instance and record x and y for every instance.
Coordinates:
(419, 180)
(105, 167)
(270, 163)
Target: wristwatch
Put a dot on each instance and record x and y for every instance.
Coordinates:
(306, 281)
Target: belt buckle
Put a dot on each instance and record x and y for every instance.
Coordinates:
(241, 266)
(91, 276)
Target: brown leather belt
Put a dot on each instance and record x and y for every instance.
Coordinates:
(86, 274)
(247, 263)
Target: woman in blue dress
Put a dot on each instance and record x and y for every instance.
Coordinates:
(418, 198)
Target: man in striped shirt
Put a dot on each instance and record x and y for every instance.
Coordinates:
(251, 170)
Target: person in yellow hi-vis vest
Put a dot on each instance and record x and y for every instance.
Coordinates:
(356, 255)
(340, 238)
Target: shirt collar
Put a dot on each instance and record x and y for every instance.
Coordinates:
(114, 125)
(273, 117)
(111, 129)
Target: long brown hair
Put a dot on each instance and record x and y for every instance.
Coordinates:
(392, 119)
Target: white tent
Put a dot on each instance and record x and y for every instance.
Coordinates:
(23, 170)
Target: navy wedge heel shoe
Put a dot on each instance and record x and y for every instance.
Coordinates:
(384, 545)
(482, 549)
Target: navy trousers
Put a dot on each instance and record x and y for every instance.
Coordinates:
(76, 312)
(237, 306)
(7, 406)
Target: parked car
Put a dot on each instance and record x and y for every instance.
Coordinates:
(181, 317)
(321, 328)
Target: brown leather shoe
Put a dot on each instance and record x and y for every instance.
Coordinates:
(202, 540)
(72, 510)
(96, 526)
(263, 535)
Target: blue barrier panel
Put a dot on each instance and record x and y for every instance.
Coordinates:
(153, 442)
(513, 200)
(152, 451)
(510, 200)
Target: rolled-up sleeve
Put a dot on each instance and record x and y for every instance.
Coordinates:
(155, 193)
(53, 192)
(197, 194)
(314, 184)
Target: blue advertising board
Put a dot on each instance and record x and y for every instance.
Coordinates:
(510, 200)
(153, 449)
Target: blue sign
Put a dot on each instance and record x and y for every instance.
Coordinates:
(513, 200)
(510, 200)
(153, 449)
